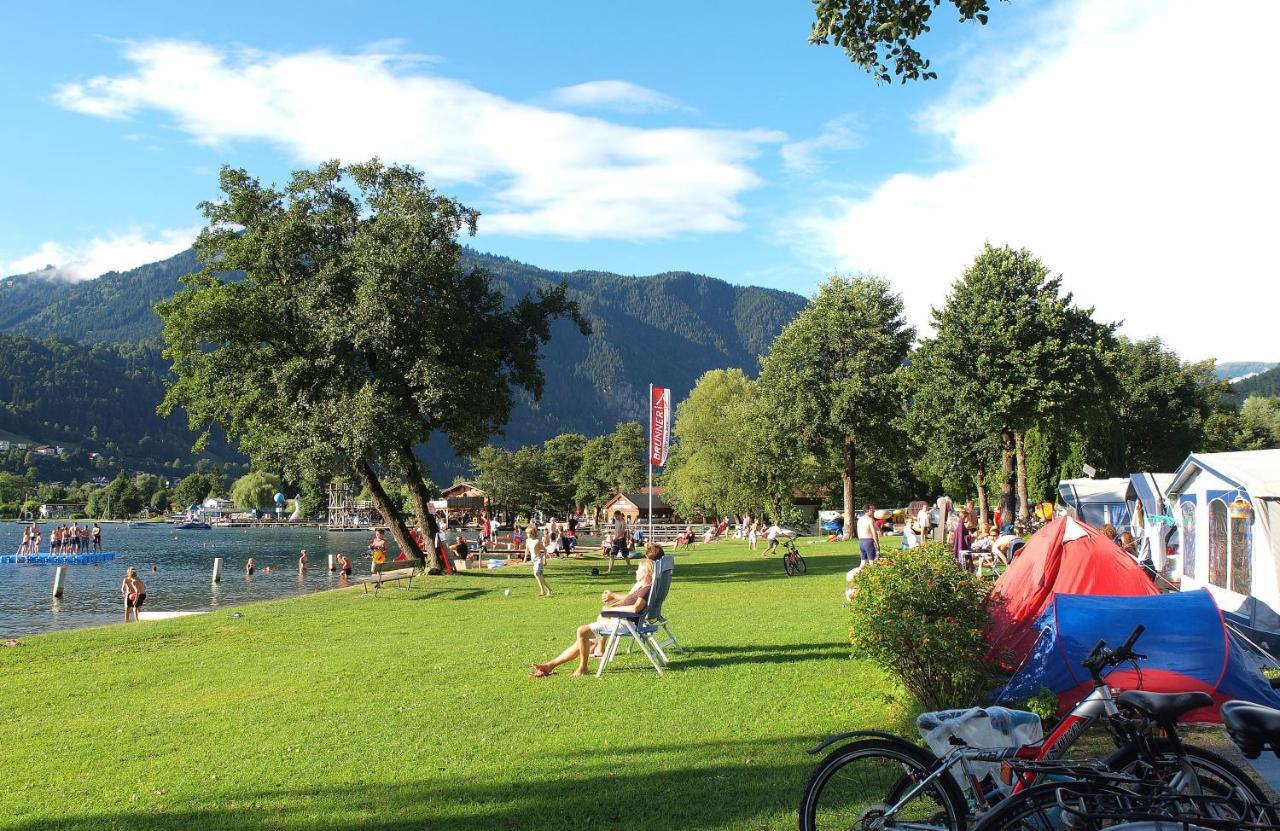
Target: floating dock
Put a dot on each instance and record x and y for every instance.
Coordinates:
(57, 559)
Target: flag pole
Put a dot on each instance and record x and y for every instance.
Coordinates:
(651, 463)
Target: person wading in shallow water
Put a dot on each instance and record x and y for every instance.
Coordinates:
(134, 592)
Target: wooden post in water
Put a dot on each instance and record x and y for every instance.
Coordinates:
(332, 567)
(217, 569)
(59, 580)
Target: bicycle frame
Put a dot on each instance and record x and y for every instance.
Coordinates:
(1096, 705)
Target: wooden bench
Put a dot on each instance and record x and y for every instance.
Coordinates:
(386, 572)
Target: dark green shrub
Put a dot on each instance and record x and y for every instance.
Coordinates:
(923, 620)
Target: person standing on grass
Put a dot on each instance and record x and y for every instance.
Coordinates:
(537, 552)
(772, 535)
(617, 539)
(570, 537)
(868, 535)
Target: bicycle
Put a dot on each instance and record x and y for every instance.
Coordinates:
(1122, 807)
(898, 785)
(792, 562)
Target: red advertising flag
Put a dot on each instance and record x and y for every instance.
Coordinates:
(659, 426)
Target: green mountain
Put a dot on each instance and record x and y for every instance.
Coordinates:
(1264, 383)
(664, 329)
(114, 308)
(98, 403)
(1239, 369)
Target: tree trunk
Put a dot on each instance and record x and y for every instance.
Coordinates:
(1024, 508)
(421, 508)
(399, 531)
(1006, 476)
(846, 478)
(981, 478)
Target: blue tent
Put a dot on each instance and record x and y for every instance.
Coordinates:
(1188, 645)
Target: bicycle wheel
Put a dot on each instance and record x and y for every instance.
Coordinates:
(801, 566)
(1037, 809)
(849, 790)
(789, 563)
(1197, 772)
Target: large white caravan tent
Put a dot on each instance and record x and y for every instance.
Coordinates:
(1228, 511)
(1097, 502)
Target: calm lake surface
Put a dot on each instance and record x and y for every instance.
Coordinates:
(183, 581)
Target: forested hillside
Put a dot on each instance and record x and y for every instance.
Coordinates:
(1264, 383)
(114, 308)
(665, 329)
(1238, 369)
(98, 399)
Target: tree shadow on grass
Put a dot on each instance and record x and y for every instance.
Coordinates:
(450, 594)
(760, 568)
(735, 787)
(714, 656)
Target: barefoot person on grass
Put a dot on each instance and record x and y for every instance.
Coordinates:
(538, 556)
(590, 638)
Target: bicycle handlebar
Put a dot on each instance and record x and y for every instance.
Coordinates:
(1100, 658)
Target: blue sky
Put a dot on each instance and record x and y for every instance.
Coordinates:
(707, 137)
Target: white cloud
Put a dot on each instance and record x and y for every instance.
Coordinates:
(1134, 156)
(97, 256)
(809, 156)
(621, 96)
(549, 172)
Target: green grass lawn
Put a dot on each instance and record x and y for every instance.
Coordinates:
(415, 710)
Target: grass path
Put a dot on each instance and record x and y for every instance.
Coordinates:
(415, 710)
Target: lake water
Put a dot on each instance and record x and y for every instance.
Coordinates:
(183, 582)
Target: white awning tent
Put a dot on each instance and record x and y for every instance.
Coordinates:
(1097, 502)
(1151, 521)
(1228, 510)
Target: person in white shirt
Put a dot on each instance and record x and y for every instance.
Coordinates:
(772, 536)
(868, 535)
(538, 554)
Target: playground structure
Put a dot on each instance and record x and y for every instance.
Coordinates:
(346, 513)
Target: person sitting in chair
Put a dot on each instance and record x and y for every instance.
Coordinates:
(590, 637)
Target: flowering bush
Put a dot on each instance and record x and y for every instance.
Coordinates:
(924, 620)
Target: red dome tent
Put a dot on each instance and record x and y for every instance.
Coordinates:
(1064, 557)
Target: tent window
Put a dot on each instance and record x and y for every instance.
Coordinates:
(1189, 539)
(1241, 556)
(1218, 543)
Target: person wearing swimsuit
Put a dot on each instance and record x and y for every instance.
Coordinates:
(134, 592)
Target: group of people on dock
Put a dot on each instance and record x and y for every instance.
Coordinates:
(63, 539)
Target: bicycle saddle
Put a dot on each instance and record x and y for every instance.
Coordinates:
(1252, 727)
(1164, 708)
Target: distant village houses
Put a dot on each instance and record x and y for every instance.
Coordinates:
(61, 510)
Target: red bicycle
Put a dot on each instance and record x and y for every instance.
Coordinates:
(880, 781)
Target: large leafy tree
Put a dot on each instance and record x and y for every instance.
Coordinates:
(256, 490)
(354, 334)
(877, 34)
(830, 382)
(706, 471)
(192, 490)
(1259, 423)
(1007, 340)
(952, 439)
(561, 458)
(610, 463)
